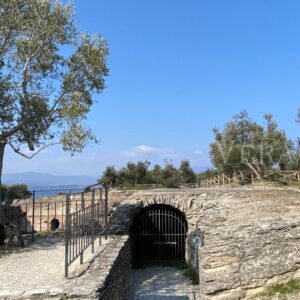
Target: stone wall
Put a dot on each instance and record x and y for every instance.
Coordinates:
(49, 208)
(117, 284)
(240, 240)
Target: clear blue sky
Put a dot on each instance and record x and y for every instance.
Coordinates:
(177, 70)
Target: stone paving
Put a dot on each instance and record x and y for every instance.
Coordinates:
(161, 284)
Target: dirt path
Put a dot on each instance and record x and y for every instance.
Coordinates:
(161, 284)
(40, 266)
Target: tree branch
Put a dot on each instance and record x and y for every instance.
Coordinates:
(256, 172)
(5, 41)
(34, 154)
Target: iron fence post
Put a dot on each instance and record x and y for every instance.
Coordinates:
(93, 220)
(100, 216)
(82, 207)
(106, 210)
(20, 224)
(33, 208)
(67, 234)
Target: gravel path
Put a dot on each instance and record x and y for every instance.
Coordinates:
(161, 283)
(39, 266)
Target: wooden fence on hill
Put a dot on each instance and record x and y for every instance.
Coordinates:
(244, 177)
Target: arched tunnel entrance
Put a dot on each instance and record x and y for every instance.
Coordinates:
(158, 236)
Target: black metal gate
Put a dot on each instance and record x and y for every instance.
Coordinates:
(158, 236)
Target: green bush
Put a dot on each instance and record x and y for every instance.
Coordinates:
(3, 192)
(15, 191)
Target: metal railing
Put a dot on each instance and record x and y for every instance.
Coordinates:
(40, 213)
(85, 225)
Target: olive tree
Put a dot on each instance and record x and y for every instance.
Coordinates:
(245, 145)
(49, 72)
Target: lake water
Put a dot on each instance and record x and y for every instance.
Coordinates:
(42, 192)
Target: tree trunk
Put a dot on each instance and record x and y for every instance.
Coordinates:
(2, 149)
(8, 231)
(256, 172)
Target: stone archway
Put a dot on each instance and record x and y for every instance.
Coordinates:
(158, 236)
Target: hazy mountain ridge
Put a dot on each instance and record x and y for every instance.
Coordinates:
(46, 180)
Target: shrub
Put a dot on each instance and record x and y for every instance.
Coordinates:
(17, 191)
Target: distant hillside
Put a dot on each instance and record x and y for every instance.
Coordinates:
(42, 180)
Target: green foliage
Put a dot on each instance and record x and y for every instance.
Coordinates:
(109, 177)
(3, 192)
(141, 171)
(170, 176)
(45, 92)
(290, 287)
(12, 192)
(186, 172)
(137, 175)
(155, 175)
(189, 272)
(209, 173)
(245, 145)
(192, 275)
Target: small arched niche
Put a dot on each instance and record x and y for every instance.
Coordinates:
(54, 224)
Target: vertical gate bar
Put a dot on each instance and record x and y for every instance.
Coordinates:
(26, 218)
(167, 230)
(93, 220)
(97, 218)
(83, 227)
(151, 246)
(62, 216)
(159, 239)
(32, 224)
(182, 239)
(75, 233)
(147, 242)
(106, 210)
(67, 233)
(176, 237)
(82, 201)
(20, 224)
(144, 243)
(172, 237)
(155, 236)
(81, 237)
(166, 236)
(40, 216)
(82, 223)
(48, 217)
(102, 216)
(178, 255)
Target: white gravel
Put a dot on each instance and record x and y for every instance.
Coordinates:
(39, 265)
